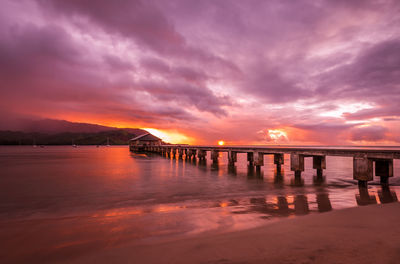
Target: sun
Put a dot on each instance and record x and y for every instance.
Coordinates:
(221, 143)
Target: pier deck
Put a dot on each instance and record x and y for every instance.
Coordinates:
(363, 157)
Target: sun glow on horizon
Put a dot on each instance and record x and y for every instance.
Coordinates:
(277, 135)
(170, 137)
(221, 143)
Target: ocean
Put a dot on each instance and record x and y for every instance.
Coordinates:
(59, 202)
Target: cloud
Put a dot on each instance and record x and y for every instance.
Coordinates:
(135, 19)
(116, 63)
(373, 75)
(184, 94)
(141, 21)
(224, 68)
(384, 111)
(268, 85)
(54, 72)
(369, 133)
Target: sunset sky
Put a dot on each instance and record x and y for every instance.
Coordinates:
(245, 72)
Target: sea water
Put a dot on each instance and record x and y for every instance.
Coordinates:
(59, 202)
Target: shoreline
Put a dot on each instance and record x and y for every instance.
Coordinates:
(369, 234)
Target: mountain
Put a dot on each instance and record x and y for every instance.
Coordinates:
(52, 126)
(61, 132)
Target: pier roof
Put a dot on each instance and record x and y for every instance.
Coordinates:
(146, 137)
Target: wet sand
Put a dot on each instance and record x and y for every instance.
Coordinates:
(369, 234)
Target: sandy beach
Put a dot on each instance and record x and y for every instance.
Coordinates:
(368, 234)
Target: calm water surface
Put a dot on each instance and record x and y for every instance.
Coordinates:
(57, 203)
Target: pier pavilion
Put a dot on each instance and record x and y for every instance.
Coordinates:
(140, 143)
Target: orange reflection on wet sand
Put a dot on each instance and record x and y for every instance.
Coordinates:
(225, 204)
(167, 208)
(120, 213)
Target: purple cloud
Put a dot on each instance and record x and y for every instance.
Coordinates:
(373, 74)
(219, 67)
(136, 19)
(371, 133)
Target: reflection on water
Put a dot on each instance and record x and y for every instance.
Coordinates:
(385, 195)
(59, 200)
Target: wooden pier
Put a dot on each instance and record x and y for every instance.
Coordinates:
(363, 157)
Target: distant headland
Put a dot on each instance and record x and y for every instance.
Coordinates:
(61, 132)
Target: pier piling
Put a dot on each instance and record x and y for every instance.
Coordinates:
(258, 159)
(180, 153)
(384, 169)
(297, 164)
(250, 158)
(362, 169)
(214, 156)
(319, 163)
(201, 154)
(278, 161)
(232, 157)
